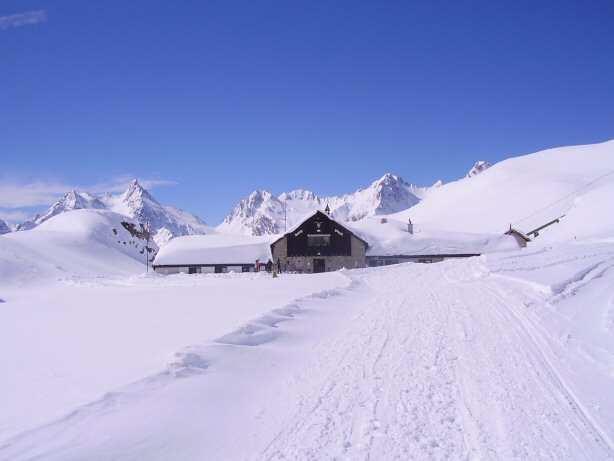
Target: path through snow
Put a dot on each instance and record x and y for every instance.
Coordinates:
(432, 373)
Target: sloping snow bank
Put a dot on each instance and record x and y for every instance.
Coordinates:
(523, 191)
(87, 243)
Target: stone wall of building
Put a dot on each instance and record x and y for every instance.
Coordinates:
(331, 263)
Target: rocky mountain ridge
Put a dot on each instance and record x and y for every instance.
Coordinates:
(263, 213)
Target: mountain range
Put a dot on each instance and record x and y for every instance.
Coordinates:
(260, 213)
(137, 203)
(264, 213)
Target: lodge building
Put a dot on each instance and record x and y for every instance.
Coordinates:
(319, 244)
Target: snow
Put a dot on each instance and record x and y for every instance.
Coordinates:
(76, 243)
(214, 249)
(388, 236)
(73, 341)
(456, 360)
(528, 191)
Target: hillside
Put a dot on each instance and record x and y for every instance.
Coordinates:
(527, 191)
(80, 243)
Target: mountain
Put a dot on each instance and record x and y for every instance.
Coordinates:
(478, 167)
(166, 222)
(264, 213)
(137, 203)
(4, 228)
(72, 200)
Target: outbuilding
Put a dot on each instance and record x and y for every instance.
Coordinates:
(318, 243)
(212, 253)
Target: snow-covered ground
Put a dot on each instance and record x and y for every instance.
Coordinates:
(498, 357)
(66, 344)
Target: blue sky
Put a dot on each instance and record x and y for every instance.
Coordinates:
(210, 100)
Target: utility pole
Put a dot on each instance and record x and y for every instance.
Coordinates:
(147, 235)
(285, 217)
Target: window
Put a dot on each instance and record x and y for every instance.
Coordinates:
(318, 240)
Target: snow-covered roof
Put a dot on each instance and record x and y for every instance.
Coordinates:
(214, 249)
(392, 238)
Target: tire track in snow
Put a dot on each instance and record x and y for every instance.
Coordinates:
(563, 428)
(438, 367)
(376, 410)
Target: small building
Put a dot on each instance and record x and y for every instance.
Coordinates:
(212, 253)
(521, 238)
(319, 244)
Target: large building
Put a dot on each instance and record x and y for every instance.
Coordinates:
(319, 244)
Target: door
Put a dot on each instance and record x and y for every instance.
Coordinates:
(318, 265)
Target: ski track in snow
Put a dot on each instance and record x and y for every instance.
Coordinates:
(437, 361)
(428, 375)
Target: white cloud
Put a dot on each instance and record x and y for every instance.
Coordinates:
(19, 195)
(14, 216)
(22, 19)
(15, 194)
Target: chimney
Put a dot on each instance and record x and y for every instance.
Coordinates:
(327, 210)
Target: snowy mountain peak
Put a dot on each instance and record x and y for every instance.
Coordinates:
(298, 194)
(389, 179)
(262, 213)
(4, 228)
(136, 203)
(478, 167)
(72, 200)
(135, 194)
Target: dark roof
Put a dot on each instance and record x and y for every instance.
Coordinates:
(296, 226)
